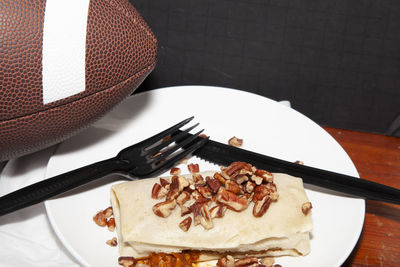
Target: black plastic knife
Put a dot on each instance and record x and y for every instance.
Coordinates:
(222, 154)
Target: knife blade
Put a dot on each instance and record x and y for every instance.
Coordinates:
(223, 154)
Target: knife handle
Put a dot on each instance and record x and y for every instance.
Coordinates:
(51, 187)
(345, 184)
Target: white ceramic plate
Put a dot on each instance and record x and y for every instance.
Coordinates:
(266, 126)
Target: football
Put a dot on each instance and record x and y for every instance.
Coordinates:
(64, 64)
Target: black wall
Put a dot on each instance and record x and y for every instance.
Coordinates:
(336, 61)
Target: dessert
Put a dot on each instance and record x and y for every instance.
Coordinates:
(240, 211)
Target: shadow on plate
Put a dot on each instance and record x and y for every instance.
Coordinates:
(109, 179)
(327, 191)
(22, 215)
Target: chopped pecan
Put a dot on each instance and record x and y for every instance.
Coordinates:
(261, 206)
(249, 197)
(190, 189)
(185, 210)
(234, 141)
(232, 186)
(204, 191)
(198, 178)
(306, 207)
(175, 171)
(193, 168)
(164, 209)
(262, 190)
(219, 177)
(205, 219)
(267, 176)
(227, 261)
(299, 162)
(274, 196)
(182, 198)
(173, 193)
(127, 261)
(232, 200)
(224, 174)
(196, 209)
(249, 187)
(178, 183)
(248, 172)
(218, 211)
(196, 195)
(158, 191)
(245, 262)
(108, 212)
(257, 179)
(182, 183)
(271, 186)
(113, 242)
(164, 183)
(111, 224)
(100, 219)
(185, 224)
(236, 167)
(213, 184)
(241, 178)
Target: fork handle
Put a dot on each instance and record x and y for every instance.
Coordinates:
(51, 187)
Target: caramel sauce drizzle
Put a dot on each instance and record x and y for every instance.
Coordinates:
(184, 259)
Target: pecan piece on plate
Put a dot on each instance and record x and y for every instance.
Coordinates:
(112, 242)
(234, 141)
(111, 224)
(306, 207)
(108, 212)
(193, 168)
(100, 219)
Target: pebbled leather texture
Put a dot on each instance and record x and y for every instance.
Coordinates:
(120, 52)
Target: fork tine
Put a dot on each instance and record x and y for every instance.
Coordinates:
(174, 138)
(175, 159)
(182, 144)
(153, 139)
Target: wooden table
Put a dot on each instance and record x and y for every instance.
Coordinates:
(377, 158)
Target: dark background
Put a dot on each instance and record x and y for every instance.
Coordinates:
(336, 61)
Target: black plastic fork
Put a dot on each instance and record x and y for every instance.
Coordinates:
(144, 159)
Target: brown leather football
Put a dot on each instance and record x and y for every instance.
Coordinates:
(64, 64)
